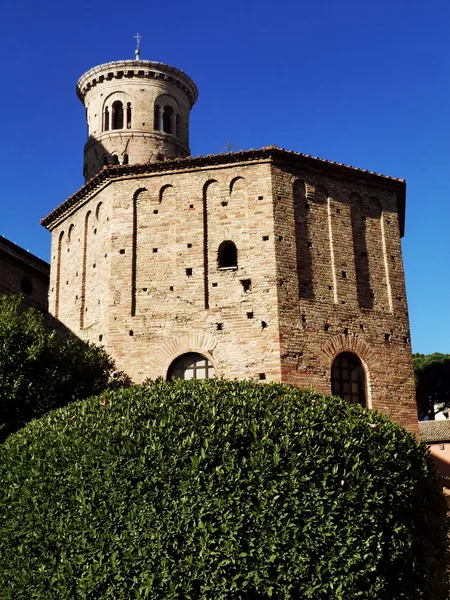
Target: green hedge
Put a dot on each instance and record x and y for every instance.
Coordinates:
(219, 490)
(42, 369)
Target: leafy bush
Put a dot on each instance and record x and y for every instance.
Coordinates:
(219, 490)
(42, 369)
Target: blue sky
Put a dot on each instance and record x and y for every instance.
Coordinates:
(360, 82)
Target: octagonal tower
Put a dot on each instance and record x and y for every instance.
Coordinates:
(137, 112)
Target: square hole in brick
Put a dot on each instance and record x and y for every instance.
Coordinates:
(155, 250)
(344, 274)
(122, 251)
(95, 231)
(246, 285)
(191, 206)
(280, 238)
(346, 331)
(265, 238)
(250, 315)
(93, 266)
(310, 244)
(262, 376)
(263, 324)
(189, 271)
(338, 210)
(189, 245)
(155, 212)
(224, 203)
(326, 327)
(260, 197)
(171, 288)
(303, 318)
(219, 326)
(361, 326)
(100, 337)
(144, 289)
(214, 284)
(131, 333)
(387, 337)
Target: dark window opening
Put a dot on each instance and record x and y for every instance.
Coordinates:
(262, 376)
(246, 284)
(114, 159)
(125, 159)
(191, 366)
(167, 119)
(105, 160)
(219, 326)
(156, 118)
(348, 379)
(177, 132)
(227, 255)
(106, 119)
(128, 115)
(117, 115)
(189, 272)
(249, 315)
(26, 285)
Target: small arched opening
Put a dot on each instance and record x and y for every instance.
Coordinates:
(191, 366)
(348, 378)
(126, 159)
(156, 118)
(168, 117)
(106, 124)
(117, 115)
(129, 115)
(114, 159)
(227, 255)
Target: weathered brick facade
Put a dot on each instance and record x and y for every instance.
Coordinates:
(319, 268)
(23, 273)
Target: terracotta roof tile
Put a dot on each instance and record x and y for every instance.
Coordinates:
(434, 431)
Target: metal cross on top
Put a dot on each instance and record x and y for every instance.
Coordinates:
(138, 45)
(229, 147)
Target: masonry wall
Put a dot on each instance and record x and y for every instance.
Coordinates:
(170, 297)
(341, 286)
(80, 273)
(21, 273)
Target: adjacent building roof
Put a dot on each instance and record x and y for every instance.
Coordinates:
(434, 431)
(267, 153)
(20, 254)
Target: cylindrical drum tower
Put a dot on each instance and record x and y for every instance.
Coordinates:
(137, 111)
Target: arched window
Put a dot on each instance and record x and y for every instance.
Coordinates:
(348, 379)
(227, 255)
(125, 159)
(191, 366)
(117, 115)
(106, 119)
(128, 115)
(156, 118)
(114, 159)
(167, 119)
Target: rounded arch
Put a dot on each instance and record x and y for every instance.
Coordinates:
(227, 255)
(98, 210)
(165, 189)
(299, 188)
(348, 378)
(70, 232)
(237, 184)
(375, 208)
(191, 365)
(117, 115)
(321, 194)
(355, 345)
(114, 159)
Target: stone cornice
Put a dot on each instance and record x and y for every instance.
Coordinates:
(139, 69)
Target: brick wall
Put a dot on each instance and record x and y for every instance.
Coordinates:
(319, 271)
